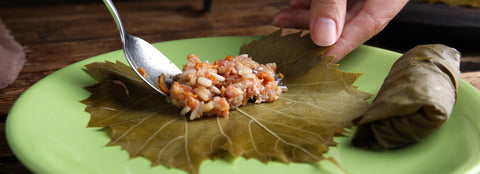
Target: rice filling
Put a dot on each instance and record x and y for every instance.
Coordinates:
(209, 89)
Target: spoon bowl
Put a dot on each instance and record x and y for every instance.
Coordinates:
(146, 60)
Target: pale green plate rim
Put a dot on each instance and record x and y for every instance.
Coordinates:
(46, 127)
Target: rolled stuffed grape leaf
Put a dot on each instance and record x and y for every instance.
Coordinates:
(299, 127)
(415, 99)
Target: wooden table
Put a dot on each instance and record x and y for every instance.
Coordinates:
(61, 33)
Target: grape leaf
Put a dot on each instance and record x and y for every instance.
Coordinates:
(299, 127)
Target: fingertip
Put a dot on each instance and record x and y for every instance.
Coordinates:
(292, 18)
(336, 59)
(281, 19)
(340, 49)
(276, 18)
(300, 4)
(324, 31)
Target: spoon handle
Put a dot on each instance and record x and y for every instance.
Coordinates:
(116, 17)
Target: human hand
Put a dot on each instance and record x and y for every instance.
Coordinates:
(345, 24)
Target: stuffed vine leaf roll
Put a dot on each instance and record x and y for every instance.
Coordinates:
(415, 99)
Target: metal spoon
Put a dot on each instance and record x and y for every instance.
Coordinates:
(141, 54)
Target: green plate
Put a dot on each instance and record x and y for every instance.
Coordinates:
(46, 127)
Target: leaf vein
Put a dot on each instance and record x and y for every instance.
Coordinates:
(165, 147)
(187, 152)
(125, 109)
(252, 139)
(276, 136)
(154, 134)
(132, 127)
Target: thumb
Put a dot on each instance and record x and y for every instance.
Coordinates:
(327, 20)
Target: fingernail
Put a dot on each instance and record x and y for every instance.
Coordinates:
(324, 31)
